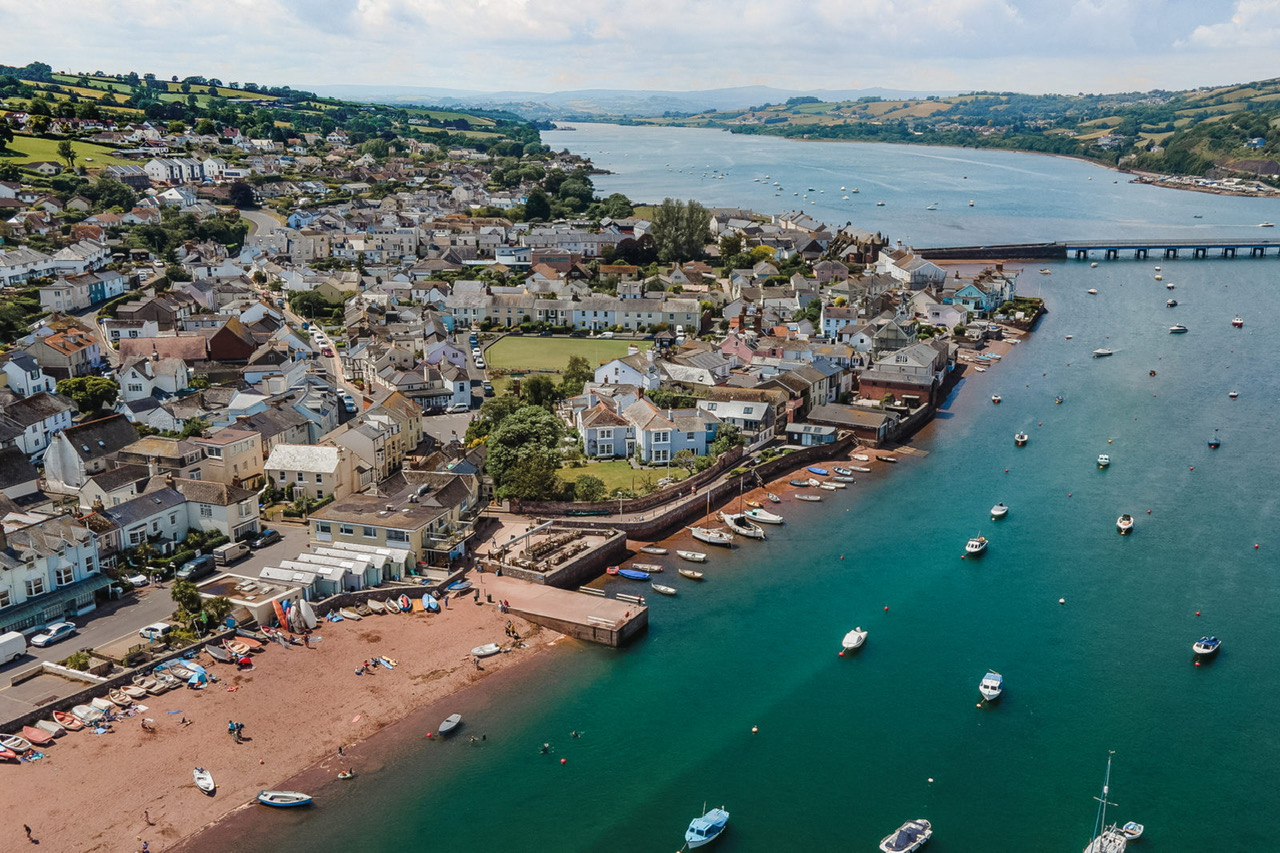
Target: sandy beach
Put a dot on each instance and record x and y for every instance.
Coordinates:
(96, 792)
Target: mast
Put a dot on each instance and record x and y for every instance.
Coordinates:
(1100, 822)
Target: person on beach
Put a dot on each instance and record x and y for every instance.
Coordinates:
(231, 727)
(28, 829)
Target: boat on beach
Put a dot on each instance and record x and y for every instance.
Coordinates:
(348, 613)
(651, 568)
(814, 482)
(692, 556)
(831, 487)
(653, 549)
(204, 780)
(814, 469)
(376, 607)
(218, 653)
(14, 743)
(884, 458)
(763, 516)
(909, 837)
(51, 728)
(37, 735)
(1106, 839)
(707, 828)
(1206, 646)
(391, 605)
(119, 697)
(662, 589)
(405, 603)
(991, 686)
(712, 536)
(844, 478)
(854, 639)
(1124, 524)
(975, 546)
(629, 574)
(68, 721)
(860, 457)
(843, 472)
(691, 574)
(799, 484)
(487, 650)
(87, 714)
(860, 469)
(741, 525)
(773, 499)
(999, 511)
(284, 799)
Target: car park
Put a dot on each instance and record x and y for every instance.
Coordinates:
(52, 633)
(265, 538)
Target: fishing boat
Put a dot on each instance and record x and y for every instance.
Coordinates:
(1103, 460)
(653, 549)
(1171, 303)
(68, 721)
(1020, 439)
(1124, 524)
(1214, 443)
(860, 469)
(909, 837)
(860, 457)
(51, 728)
(773, 499)
(995, 398)
(487, 650)
(691, 574)
(1206, 646)
(1132, 830)
(991, 686)
(15, 743)
(651, 568)
(843, 472)
(629, 574)
(1102, 352)
(854, 639)
(739, 524)
(37, 735)
(284, 799)
(450, 723)
(662, 590)
(204, 780)
(391, 605)
(1106, 839)
(692, 556)
(1238, 321)
(712, 536)
(821, 472)
(707, 828)
(218, 653)
(810, 498)
(763, 516)
(999, 511)
(1177, 329)
(376, 606)
(975, 546)
(883, 458)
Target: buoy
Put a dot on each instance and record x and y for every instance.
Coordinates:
(1193, 467)
(1197, 663)
(979, 705)
(262, 761)
(755, 729)
(842, 654)
(1062, 601)
(1068, 494)
(1040, 424)
(886, 608)
(1110, 440)
(1197, 612)
(930, 780)
(1148, 512)
(1256, 546)
(1006, 470)
(428, 734)
(564, 761)
(842, 555)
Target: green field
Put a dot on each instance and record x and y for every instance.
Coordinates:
(34, 148)
(530, 352)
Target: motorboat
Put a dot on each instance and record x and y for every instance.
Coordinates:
(1020, 439)
(999, 511)
(854, 639)
(629, 574)
(692, 556)
(1266, 225)
(1102, 352)
(1215, 442)
(1103, 460)
(995, 398)
(814, 469)
(1169, 286)
(843, 472)
(487, 650)
(691, 574)
(740, 524)
(284, 799)
(991, 686)
(1132, 830)
(1233, 394)
(712, 536)
(651, 568)
(707, 828)
(860, 457)
(1171, 303)
(763, 516)
(911, 836)
(1107, 839)
(1124, 524)
(1237, 321)
(773, 499)
(662, 589)
(204, 780)
(1177, 329)
(1058, 400)
(1093, 291)
(810, 498)
(1159, 277)
(656, 550)
(975, 546)
(450, 724)
(1206, 646)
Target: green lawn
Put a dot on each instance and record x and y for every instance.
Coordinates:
(31, 148)
(530, 352)
(618, 473)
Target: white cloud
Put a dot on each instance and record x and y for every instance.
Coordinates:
(1252, 24)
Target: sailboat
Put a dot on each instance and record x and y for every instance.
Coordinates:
(1106, 839)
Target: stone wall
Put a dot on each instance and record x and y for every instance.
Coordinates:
(586, 566)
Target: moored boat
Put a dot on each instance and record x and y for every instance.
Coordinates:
(1132, 830)
(739, 524)
(712, 536)
(773, 499)
(995, 398)
(909, 837)
(450, 723)
(1215, 442)
(1237, 321)
(1093, 291)
(284, 799)
(1020, 439)
(844, 472)
(707, 828)
(763, 516)
(1206, 646)
(691, 574)
(854, 639)
(831, 487)
(844, 478)
(975, 546)
(860, 469)
(999, 511)
(692, 556)
(799, 484)
(1124, 524)
(653, 549)
(1058, 400)
(885, 458)
(204, 780)
(1107, 839)
(651, 568)
(1102, 352)
(662, 589)
(991, 686)
(1104, 460)
(1177, 329)
(810, 498)
(1171, 303)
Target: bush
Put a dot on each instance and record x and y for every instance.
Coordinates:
(183, 556)
(76, 660)
(737, 472)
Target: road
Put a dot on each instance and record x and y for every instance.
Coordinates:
(259, 221)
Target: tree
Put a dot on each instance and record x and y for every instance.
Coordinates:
(588, 489)
(537, 207)
(728, 436)
(680, 230)
(523, 448)
(534, 477)
(90, 393)
(186, 595)
(492, 413)
(107, 192)
(195, 426)
(577, 374)
(6, 136)
(310, 304)
(539, 391)
(685, 459)
(240, 194)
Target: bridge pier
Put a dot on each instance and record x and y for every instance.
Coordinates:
(1199, 252)
(1171, 253)
(1140, 254)
(1228, 251)
(1111, 254)
(1257, 252)
(1082, 254)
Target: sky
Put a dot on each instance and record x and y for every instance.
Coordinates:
(1032, 46)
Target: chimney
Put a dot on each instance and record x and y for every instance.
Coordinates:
(97, 505)
(152, 468)
(168, 480)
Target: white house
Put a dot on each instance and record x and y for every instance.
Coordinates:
(30, 422)
(638, 369)
(26, 376)
(144, 377)
(317, 472)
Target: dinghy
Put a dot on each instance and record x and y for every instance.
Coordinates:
(691, 574)
(692, 556)
(763, 516)
(450, 723)
(656, 550)
(391, 605)
(204, 780)
(663, 590)
(49, 726)
(487, 650)
(37, 735)
(376, 607)
(68, 721)
(284, 799)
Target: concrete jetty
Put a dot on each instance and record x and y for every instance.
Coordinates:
(575, 614)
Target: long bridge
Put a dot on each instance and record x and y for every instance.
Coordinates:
(1106, 249)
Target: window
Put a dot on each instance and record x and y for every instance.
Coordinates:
(300, 477)
(65, 576)
(606, 449)
(319, 478)
(688, 436)
(35, 586)
(206, 511)
(173, 518)
(282, 476)
(136, 537)
(346, 529)
(135, 387)
(662, 455)
(245, 509)
(746, 410)
(663, 437)
(215, 452)
(5, 601)
(397, 536)
(370, 533)
(155, 527)
(319, 495)
(606, 433)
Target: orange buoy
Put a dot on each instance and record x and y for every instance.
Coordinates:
(1069, 494)
(886, 608)
(564, 761)
(1197, 663)
(842, 654)
(1197, 612)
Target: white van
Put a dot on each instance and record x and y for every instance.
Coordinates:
(12, 646)
(225, 555)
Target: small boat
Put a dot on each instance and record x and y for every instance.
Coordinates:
(1132, 831)
(860, 457)
(1020, 439)
(50, 727)
(843, 472)
(991, 686)
(15, 743)
(753, 504)
(935, 207)
(821, 472)
(254, 643)
(1102, 352)
(629, 574)
(450, 723)
(1238, 321)
(218, 653)
(691, 574)
(487, 650)
(348, 613)
(831, 487)
(167, 681)
(235, 647)
(1233, 394)
(458, 587)
(662, 590)
(995, 398)
(692, 556)
(1124, 524)
(68, 721)
(739, 524)
(762, 516)
(1103, 460)
(854, 639)
(879, 204)
(405, 604)
(1058, 400)
(707, 828)
(810, 498)
(999, 511)
(147, 683)
(1266, 225)
(712, 536)
(347, 774)
(204, 780)
(1177, 329)
(179, 671)
(860, 469)
(106, 706)
(8, 754)
(1169, 286)
(844, 478)
(1093, 291)
(284, 799)
(362, 609)
(87, 714)
(1046, 272)
(133, 691)
(430, 603)
(651, 568)
(884, 458)
(376, 606)
(391, 605)
(657, 550)
(120, 698)
(1171, 303)
(1159, 277)
(1206, 646)
(1093, 265)
(37, 735)
(773, 499)
(814, 482)
(975, 546)
(909, 837)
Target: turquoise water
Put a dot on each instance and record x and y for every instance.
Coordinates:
(846, 746)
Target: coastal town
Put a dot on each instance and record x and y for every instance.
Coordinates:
(258, 377)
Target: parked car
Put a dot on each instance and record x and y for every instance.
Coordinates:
(53, 633)
(138, 580)
(265, 538)
(457, 408)
(326, 352)
(201, 566)
(480, 363)
(156, 631)
(488, 388)
(607, 335)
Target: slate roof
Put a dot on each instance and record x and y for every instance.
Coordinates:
(15, 469)
(98, 438)
(199, 491)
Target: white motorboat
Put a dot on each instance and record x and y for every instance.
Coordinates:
(763, 516)
(1238, 322)
(995, 398)
(739, 523)
(707, 828)
(204, 780)
(909, 837)
(1092, 291)
(1106, 839)
(975, 546)
(1132, 830)
(1206, 646)
(1021, 439)
(1102, 352)
(1103, 460)
(1124, 524)
(854, 639)
(991, 686)
(692, 556)
(712, 536)
(1177, 329)
(999, 511)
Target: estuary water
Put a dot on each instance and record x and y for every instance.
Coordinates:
(848, 748)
